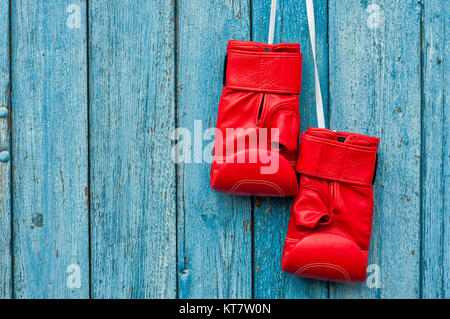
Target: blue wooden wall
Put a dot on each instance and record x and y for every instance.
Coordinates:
(91, 203)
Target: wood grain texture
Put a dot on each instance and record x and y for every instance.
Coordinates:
(5, 164)
(214, 230)
(446, 167)
(132, 112)
(156, 229)
(49, 110)
(375, 89)
(271, 216)
(435, 156)
(446, 162)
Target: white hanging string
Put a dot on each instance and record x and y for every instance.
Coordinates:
(273, 14)
(312, 36)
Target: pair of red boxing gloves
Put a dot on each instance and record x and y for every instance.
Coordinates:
(256, 153)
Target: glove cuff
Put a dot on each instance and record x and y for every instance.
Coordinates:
(343, 157)
(249, 67)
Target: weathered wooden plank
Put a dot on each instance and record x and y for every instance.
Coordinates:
(435, 160)
(132, 112)
(446, 168)
(49, 111)
(271, 216)
(5, 163)
(214, 230)
(375, 89)
(446, 161)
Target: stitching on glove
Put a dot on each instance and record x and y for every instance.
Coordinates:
(318, 265)
(359, 182)
(267, 90)
(341, 145)
(268, 55)
(250, 181)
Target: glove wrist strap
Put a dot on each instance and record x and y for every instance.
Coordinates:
(273, 72)
(338, 161)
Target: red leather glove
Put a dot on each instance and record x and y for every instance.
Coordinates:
(260, 103)
(331, 217)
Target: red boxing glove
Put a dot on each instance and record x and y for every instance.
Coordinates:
(331, 218)
(258, 122)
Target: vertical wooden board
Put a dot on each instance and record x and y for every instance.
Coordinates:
(214, 230)
(435, 161)
(271, 216)
(132, 111)
(446, 161)
(5, 163)
(49, 111)
(375, 90)
(446, 168)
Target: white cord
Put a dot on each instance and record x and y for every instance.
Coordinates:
(312, 35)
(273, 14)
